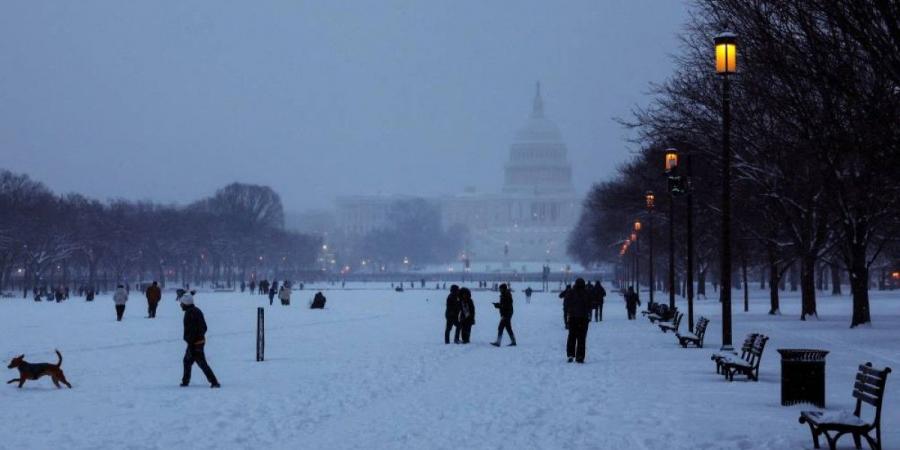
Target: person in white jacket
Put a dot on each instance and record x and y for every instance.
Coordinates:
(284, 294)
(120, 297)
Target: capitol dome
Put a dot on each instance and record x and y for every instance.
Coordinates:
(537, 157)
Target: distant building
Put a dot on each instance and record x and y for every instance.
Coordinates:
(529, 220)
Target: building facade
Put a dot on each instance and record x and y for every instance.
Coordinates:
(528, 221)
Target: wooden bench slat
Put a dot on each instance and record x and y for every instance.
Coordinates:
(870, 399)
(869, 370)
(868, 388)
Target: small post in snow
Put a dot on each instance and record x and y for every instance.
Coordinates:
(260, 334)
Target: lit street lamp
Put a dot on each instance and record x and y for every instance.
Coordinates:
(726, 64)
(671, 165)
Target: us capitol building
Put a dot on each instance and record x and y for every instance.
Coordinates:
(528, 221)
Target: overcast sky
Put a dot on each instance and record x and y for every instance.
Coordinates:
(169, 100)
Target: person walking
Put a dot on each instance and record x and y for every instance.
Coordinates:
(451, 314)
(505, 306)
(631, 302)
(528, 292)
(466, 314)
(253, 286)
(272, 294)
(195, 337)
(284, 294)
(120, 297)
(577, 306)
(599, 297)
(154, 295)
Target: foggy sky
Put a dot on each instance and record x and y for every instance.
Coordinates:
(170, 100)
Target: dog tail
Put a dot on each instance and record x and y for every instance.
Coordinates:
(60, 358)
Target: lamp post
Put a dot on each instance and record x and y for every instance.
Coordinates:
(650, 199)
(690, 242)
(726, 64)
(671, 164)
(637, 256)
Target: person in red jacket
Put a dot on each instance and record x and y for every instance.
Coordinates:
(154, 295)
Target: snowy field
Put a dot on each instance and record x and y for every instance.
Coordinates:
(371, 371)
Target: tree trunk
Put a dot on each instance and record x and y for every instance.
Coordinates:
(762, 278)
(835, 280)
(701, 284)
(793, 277)
(808, 286)
(859, 286)
(774, 278)
(746, 286)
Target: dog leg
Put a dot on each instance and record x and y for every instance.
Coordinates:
(12, 381)
(55, 382)
(21, 382)
(62, 378)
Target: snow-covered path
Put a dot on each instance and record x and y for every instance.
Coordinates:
(371, 371)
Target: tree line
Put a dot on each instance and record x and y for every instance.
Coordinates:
(815, 131)
(54, 240)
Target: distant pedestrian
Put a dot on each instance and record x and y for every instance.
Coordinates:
(528, 292)
(253, 286)
(154, 295)
(284, 294)
(466, 314)
(195, 337)
(577, 306)
(631, 303)
(120, 297)
(599, 297)
(243, 286)
(505, 306)
(271, 294)
(451, 314)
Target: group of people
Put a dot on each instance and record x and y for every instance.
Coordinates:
(460, 315)
(194, 327)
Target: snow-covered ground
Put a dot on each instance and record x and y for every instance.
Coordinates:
(371, 371)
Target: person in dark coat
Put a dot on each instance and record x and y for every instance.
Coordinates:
(195, 337)
(562, 296)
(599, 297)
(631, 302)
(154, 295)
(466, 314)
(505, 305)
(451, 313)
(577, 306)
(528, 292)
(272, 294)
(318, 301)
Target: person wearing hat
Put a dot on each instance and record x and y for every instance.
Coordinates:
(195, 337)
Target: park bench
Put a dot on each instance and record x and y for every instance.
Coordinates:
(695, 338)
(869, 388)
(749, 365)
(721, 358)
(671, 325)
(663, 314)
(652, 308)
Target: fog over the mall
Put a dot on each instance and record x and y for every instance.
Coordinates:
(171, 100)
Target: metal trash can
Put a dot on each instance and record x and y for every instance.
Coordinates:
(802, 376)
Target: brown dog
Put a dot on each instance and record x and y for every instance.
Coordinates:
(28, 371)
